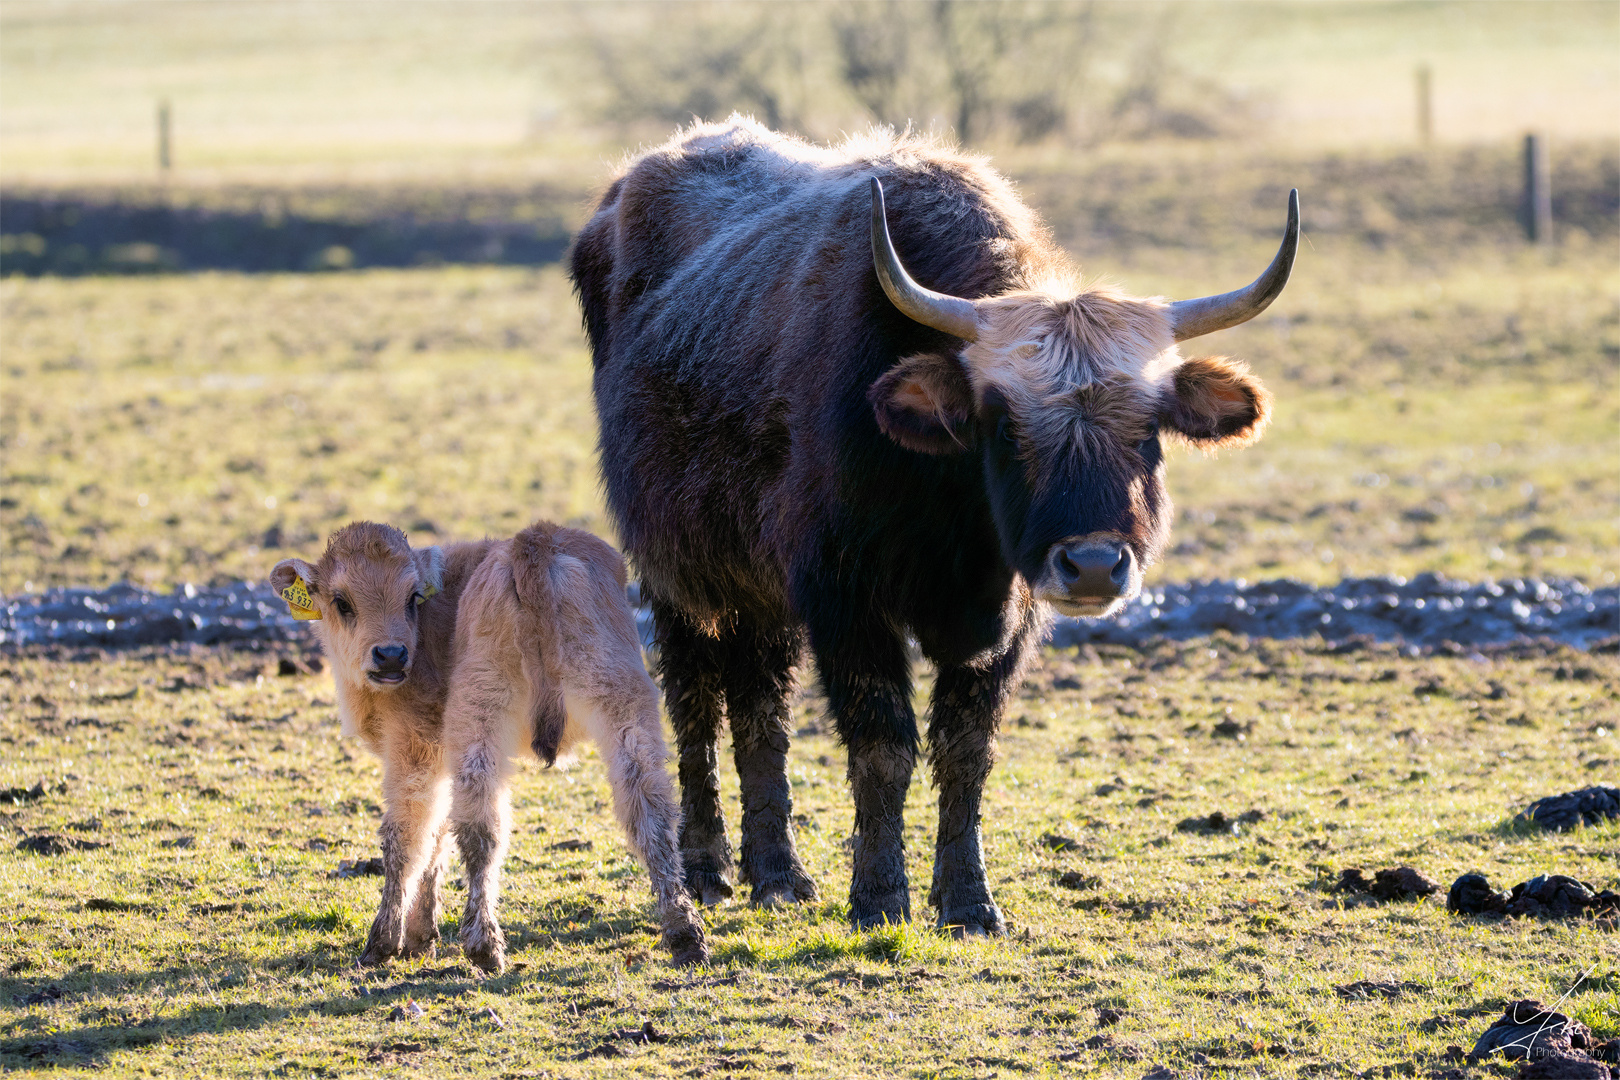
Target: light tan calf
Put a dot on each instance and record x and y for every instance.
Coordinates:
(451, 661)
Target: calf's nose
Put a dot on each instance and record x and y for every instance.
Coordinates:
(389, 657)
(1094, 570)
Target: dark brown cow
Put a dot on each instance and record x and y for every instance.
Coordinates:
(798, 440)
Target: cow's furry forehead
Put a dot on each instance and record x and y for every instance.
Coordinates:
(365, 542)
(1059, 357)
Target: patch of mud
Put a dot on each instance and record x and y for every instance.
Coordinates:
(1219, 822)
(1561, 813)
(1428, 610)
(1400, 883)
(1547, 896)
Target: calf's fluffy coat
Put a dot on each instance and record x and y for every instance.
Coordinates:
(448, 662)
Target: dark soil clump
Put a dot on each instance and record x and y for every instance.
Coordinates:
(1552, 1046)
(1472, 894)
(1401, 883)
(1560, 813)
(1548, 896)
(1218, 822)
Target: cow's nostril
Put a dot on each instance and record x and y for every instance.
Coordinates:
(1120, 575)
(1067, 567)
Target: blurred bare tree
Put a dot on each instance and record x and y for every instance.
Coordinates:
(1012, 70)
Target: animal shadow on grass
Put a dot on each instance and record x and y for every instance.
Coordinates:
(92, 1044)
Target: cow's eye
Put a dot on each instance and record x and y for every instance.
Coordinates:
(341, 602)
(1004, 430)
(413, 603)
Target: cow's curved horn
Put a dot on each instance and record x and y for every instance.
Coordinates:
(1207, 314)
(951, 314)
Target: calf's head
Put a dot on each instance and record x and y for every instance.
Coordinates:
(1067, 394)
(366, 589)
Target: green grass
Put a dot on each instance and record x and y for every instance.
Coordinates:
(208, 937)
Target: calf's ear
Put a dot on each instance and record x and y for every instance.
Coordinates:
(925, 403)
(1214, 402)
(294, 582)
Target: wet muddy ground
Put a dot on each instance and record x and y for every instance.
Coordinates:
(1426, 611)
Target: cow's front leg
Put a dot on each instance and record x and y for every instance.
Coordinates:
(480, 811)
(758, 681)
(869, 691)
(963, 720)
(415, 795)
(422, 924)
(689, 665)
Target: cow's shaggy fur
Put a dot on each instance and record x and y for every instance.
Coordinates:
(789, 458)
(448, 663)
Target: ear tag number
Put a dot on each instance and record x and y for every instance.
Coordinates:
(298, 601)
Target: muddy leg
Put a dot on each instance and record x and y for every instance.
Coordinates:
(422, 924)
(689, 665)
(870, 695)
(415, 794)
(480, 810)
(963, 720)
(631, 738)
(758, 681)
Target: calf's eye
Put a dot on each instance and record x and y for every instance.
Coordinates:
(342, 604)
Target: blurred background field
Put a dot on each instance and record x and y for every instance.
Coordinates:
(1446, 392)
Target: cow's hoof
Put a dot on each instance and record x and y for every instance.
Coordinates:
(973, 920)
(790, 890)
(708, 887)
(890, 910)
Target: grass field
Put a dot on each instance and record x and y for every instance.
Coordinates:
(173, 429)
(207, 936)
(1446, 399)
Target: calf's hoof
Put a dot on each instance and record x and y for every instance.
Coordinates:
(973, 920)
(381, 946)
(485, 948)
(687, 947)
(708, 887)
(425, 944)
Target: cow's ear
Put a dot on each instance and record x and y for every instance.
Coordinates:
(289, 571)
(925, 403)
(1214, 403)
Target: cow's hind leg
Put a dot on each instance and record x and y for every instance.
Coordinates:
(689, 664)
(963, 720)
(868, 681)
(414, 792)
(480, 813)
(758, 680)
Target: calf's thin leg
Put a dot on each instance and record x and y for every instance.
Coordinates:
(481, 814)
(690, 664)
(415, 794)
(624, 722)
(422, 923)
(758, 681)
(868, 682)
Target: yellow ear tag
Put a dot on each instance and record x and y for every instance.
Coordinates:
(298, 601)
(427, 591)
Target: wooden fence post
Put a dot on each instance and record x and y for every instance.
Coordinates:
(164, 159)
(1425, 104)
(1537, 190)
